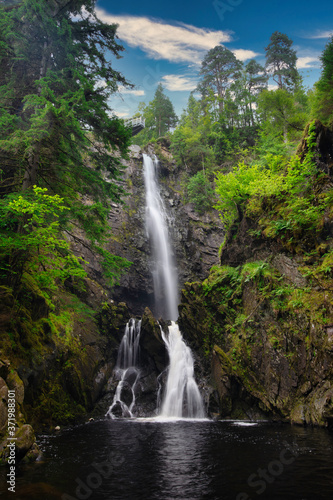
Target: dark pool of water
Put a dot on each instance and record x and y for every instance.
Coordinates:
(142, 460)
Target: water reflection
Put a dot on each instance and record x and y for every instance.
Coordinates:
(145, 460)
(181, 470)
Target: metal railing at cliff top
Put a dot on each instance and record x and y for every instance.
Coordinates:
(137, 124)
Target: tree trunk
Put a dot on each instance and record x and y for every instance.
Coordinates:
(30, 176)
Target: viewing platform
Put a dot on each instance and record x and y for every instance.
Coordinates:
(137, 124)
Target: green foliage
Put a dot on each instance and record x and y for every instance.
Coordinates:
(200, 192)
(281, 61)
(247, 185)
(113, 265)
(30, 241)
(271, 152)
(159, 117)
(322, 106)
(236, 187)
(220, 275)
(255, 271)
(55, 406)
(57, 133)
(283, 113)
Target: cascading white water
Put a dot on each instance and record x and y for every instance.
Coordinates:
(163, 269)
(182, 397)
(127, 369)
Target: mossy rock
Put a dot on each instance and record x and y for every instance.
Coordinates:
(151, 340)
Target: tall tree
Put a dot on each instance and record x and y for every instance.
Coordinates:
(281, 61)
(55, 125)
(256, 82)
(163, 111)
(159, 115)
(218, 70)
(323, 100)
(283, 113)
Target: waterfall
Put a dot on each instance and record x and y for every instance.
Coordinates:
(182, 397)
(163, 269)
(127, 371)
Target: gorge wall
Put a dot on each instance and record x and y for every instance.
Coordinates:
(259, 318)
(60, 362)
(195, 239)
(263, 319)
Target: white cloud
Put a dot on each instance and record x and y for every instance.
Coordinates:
(307, 62)
(321, 34)
(272, 86)
(175, 43)
(243, 54)
(178, 82)
(124, 90)
(121, 114)
(100, 84)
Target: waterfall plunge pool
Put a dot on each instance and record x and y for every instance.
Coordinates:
(189, 460)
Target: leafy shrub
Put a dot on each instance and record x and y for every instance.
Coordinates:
(200, 193)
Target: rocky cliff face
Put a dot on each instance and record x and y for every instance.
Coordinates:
(56, 377)
(263, 320)
(60, 363)
(196, 239)
(70, 375)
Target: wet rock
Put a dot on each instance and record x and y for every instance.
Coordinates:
(25, 443)
(15, 383)
(151, 341)
(4, 368)
(3, 404)
(196, 239)
(120, 411)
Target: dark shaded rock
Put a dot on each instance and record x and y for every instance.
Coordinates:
(151, 341)
(238, 248)
(195, 239)
(25, 439)
(15, 383)
(235, 400)
(3, 405)
(323, 149)
(4, 368)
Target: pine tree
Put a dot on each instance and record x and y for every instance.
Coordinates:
(56, 129)
(281, 61)
(163, 111)
(323, 100)
(256, 82)
(159, 116)
(218, 70)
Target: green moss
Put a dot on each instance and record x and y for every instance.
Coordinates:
(55, 406)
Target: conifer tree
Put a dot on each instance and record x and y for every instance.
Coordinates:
(159, 116)
(218, 70)
(281, 61)
(56, 128)
(323, 101)
(256, 82)
(163, 111)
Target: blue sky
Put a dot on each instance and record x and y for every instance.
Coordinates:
(165, 41)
